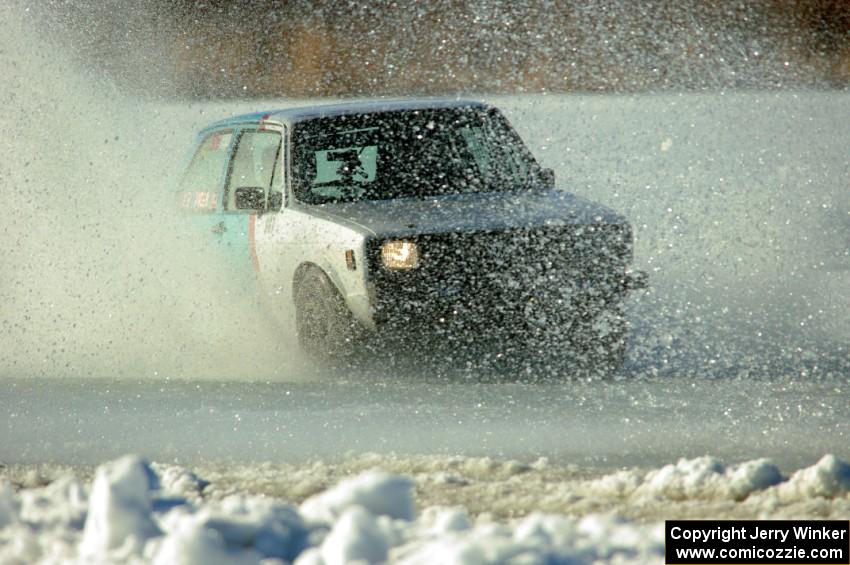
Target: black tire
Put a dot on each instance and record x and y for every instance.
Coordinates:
(327, 332)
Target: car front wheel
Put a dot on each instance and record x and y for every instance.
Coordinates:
(325, 327)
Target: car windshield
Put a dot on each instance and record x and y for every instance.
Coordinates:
(419, 153)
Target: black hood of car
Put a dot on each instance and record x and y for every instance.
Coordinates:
(470, 212)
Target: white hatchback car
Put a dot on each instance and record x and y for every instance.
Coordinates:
(416, 219)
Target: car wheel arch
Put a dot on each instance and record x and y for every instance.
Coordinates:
(307, 266)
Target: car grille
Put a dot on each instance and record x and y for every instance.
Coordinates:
(498, 275)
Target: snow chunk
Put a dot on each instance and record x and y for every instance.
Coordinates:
(8, 504)
(193, 543)
(381, 494)
(120, 506)
(708, 478)
(752, 476)
(619, 484)
(61, 503)
(440, 520)
(272, 528)
(179, 481)
(609, 538)
(21, 544)
(546, 529)
(828, 478)
(688, 478)
(269, 529)
(355, 537)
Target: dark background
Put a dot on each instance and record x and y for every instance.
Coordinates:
(251, 48)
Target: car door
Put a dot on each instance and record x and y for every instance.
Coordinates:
(247, 191)
(202, 183)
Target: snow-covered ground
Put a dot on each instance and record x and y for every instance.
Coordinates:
(133, 511)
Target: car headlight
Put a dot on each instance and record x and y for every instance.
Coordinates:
(400, 255)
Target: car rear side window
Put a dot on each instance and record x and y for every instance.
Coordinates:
(201, 183)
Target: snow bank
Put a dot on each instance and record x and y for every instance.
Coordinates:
(700, 478)
(829, 478)
(541, 538)
(142, 513)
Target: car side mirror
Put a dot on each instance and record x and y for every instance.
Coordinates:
(275, 200)
(547, 177)
(250, 198)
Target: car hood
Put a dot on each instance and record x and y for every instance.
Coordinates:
(469, 212)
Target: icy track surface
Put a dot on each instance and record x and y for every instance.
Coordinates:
(605, 425)
(164, 514)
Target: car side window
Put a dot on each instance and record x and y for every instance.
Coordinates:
(252, 170)
(201, 183)
(486, 146)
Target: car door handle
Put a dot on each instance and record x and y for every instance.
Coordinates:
(219, 228)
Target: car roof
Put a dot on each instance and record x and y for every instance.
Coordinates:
(303, 113)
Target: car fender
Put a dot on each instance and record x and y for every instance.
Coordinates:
(351, 286)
